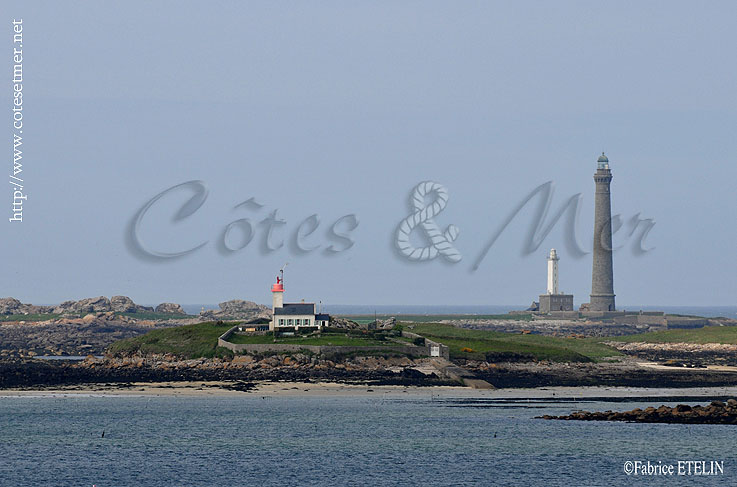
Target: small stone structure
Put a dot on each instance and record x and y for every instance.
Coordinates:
(556, 302)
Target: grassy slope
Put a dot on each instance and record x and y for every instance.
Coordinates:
(434, 318)
(535, 346)
(189, 341)
(329, 339)
(153, 315)
(200, 340)
(708, 334)
(31, 317)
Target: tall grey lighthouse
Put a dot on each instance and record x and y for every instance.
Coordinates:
(602, 280)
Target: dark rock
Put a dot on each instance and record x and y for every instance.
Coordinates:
(123, 304)
(9, 306)
(93, 305)
(170, 308)
(716, 413)
(336, 322)
(237, 309)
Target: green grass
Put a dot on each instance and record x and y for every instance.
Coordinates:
(154, 316)
(189, 341)
(325, 339)
(435, 318)
(708, 334)
(499, 344)
(30, 317)
(145, 315)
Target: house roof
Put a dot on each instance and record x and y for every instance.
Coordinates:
(296, 309)
(322, 316)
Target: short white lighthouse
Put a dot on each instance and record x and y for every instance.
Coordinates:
(553, 300)
(277, 292)
(553, 272)
(291, 317)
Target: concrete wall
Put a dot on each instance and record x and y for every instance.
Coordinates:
(651, 319)
(256, 348)
(556, 315)
(444, 350)
(683, 322)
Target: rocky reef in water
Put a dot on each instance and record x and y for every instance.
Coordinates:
(717, 412)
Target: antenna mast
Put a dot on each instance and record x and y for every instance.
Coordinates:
(281, 271)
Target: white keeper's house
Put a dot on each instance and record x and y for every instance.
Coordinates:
(293, 316)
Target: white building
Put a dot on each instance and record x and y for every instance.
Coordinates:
(293, 316)
(554, 299)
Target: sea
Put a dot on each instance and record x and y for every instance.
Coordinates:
(373, 438)
(491, 309)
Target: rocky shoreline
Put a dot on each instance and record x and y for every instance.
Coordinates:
(35, 373)
(626, 373)
(38, 374)
(717, 412)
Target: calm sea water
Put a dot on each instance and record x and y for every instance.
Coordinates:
(492, 309)
(356, 440)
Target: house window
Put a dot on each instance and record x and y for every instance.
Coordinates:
(297, 321)
(290, 322)
(281, 322)
(307, 322)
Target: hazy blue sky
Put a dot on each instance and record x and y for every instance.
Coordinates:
(335, 108)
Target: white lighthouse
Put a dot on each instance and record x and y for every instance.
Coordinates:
(553, 272)
(553, 300)
(291, 317)
(277, 291)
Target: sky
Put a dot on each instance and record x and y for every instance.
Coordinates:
(332, 113)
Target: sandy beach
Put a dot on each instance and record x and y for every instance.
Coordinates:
(328, 389)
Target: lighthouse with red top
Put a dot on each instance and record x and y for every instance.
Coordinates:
(291, 317)
(277, 292)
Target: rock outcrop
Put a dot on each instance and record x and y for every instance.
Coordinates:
(100, 304)
(68, 335)
(386, 324)
(716, 413)
(336, 322)
(237, 309)
(124, 304)
(11, 306)
(170, 308)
